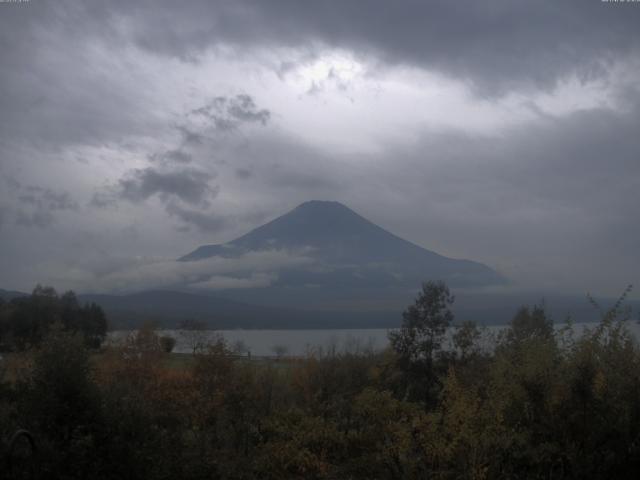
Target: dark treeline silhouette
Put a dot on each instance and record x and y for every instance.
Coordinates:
(539, 403)
(26, 320)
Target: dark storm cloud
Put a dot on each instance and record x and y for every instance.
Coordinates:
(176, 186)
(52, 94)
(171, 156)
(243, 173)
(38, 218)
(37, 206)
(185, 194)
(223, 114)
(189, 185)
(497, 45)
(202, 220)
(107, 197)
(243, 109)
(288, 166)
(229, 113)
(189, 136)
(46, 199)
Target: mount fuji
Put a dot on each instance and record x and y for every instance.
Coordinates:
(350, 259)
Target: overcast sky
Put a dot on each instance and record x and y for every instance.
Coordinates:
(504, 132)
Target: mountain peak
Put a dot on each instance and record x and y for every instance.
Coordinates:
(322, 204)
(342, 242)
(323, 208)
(320, 212)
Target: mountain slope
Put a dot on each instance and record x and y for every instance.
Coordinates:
(8, 295)
(351, 250)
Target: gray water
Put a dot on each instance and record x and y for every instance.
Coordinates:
(266, 343)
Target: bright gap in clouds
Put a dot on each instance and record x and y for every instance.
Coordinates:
(338, 68)
(347, 105)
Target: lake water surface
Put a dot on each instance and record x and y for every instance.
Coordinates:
(265, 343)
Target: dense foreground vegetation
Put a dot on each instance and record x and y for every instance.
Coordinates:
(544, 403)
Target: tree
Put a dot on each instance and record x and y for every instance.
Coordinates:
(530, 323)
(25, 321)
(419, 340)
(60, 386)
(240, 348)
(424, 323)
(60, 404)
(89, 320)
(145, 340)
(94, 325)
(167, 343)
(280, 351)
(194, 334)
(465, 339)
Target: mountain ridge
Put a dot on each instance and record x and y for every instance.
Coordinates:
(168, 308)
(340, 238)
